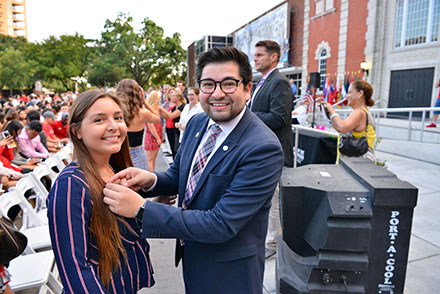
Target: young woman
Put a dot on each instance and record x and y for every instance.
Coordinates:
(139, 112)
(153, 133)
(172, 115)
(95, 250)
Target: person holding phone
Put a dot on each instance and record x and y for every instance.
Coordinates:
(14, 128)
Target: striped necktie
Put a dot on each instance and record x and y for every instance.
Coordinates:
(200, 162)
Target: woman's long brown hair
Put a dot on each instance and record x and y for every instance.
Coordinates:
(103, 224)
(132, 96)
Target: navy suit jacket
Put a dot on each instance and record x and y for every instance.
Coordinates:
(273, 105)
(225, 224)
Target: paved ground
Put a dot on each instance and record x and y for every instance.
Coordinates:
(424, 258)
(168, 278)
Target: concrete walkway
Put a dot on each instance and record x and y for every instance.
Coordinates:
(424, 257)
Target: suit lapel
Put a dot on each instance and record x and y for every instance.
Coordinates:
(224, 149)
(264, 86)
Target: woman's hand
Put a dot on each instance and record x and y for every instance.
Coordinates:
(6, 141)
(329, 107)
(122, 200)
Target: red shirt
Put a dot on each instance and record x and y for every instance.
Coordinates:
(59, 129)
(6, 155)
(48, 129)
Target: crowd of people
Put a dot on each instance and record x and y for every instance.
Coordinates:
(32, 127)
(229, 143)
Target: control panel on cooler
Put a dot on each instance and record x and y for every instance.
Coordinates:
(351, 204)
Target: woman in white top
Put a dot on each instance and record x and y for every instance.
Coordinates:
(190, 109)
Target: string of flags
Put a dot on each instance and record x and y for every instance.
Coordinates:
(334, 88)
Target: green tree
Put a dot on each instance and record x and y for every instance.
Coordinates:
(12, 42)
(147, 57)
(103, 72)
(60, 59)
(15, 71)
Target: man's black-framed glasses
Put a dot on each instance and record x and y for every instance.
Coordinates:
(227, 85)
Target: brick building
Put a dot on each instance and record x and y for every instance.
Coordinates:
(397, 41)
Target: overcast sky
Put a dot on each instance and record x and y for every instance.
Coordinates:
(193, 19)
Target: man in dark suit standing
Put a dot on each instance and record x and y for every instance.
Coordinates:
(225, 172)
(272, 102)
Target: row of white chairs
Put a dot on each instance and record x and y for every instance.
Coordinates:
(36, 267)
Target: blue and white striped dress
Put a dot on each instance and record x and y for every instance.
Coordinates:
(69, 211)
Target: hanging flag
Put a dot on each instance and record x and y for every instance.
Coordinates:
(308, 98)
(332, 92)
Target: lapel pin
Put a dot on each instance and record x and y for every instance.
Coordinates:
(225, 148)
(197, 134)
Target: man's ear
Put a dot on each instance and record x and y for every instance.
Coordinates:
(274, 57)
(249, 88)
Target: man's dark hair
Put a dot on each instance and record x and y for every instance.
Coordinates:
(225, 54)
(271, 47)
(33, 115)
(55, 107)
(36, 125)
(182, 82)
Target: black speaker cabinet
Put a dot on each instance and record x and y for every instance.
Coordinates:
(346, 229)
(315, 80)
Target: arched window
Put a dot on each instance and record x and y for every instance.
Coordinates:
(322, 66)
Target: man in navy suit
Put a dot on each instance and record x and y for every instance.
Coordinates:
(272, 103)
(221, 227)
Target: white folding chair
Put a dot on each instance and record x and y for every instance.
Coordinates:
(68, 148)
(53, 162)
(35, 271)
(30, 183)
(42, 171)
(63, 156)
(33, 227)
(12, 198)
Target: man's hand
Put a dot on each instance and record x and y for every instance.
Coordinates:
(122, 200)
(34, 160)
(134, 178)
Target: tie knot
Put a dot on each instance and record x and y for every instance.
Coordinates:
(214, 130)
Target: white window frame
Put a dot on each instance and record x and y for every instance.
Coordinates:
(323, 6)
(319, 7)
(403, 27)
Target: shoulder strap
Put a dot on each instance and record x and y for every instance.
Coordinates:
(366, 114)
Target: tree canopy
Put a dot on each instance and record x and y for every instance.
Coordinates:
(146, 55)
